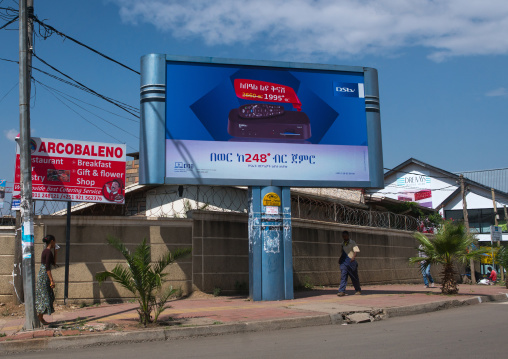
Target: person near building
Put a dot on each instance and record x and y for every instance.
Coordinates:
(425, 267)
(44, 295)
(492, 275)
(349, 265)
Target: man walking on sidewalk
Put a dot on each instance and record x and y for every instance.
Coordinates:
(348, 265)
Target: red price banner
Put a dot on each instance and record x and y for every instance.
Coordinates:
(266, 91)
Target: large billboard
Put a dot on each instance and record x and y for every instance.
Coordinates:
(77, 171)
(259, 123)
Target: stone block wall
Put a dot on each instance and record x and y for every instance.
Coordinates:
(220, 256)
(7, 237)
(220, 253)
(90, 254)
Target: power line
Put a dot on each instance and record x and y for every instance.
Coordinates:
(90, 122)
(123, 106)
(84, 109)
(89, 104)
(50, 30)
(8, 23)
(88, 90)
(8, 92)
(478, 171)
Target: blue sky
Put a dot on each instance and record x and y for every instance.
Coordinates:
(442, 65)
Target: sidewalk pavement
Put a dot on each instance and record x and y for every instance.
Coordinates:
(207, 315)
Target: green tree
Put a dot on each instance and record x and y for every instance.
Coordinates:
(142, 278)
(450, 245)
(502, 260)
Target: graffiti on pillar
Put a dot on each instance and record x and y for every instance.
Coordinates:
(272, 243)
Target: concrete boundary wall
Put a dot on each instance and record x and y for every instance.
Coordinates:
(220, 253)
(7, 235)
(220, 256)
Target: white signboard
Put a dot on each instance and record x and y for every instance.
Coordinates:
(496, 233)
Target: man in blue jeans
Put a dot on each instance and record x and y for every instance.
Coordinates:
(348, 265)
(425, 267)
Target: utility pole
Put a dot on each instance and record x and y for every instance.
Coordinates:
(17, 275)
(26, 205)
(466, 222)
(496, 224)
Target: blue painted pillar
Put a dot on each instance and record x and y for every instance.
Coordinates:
(270, 246)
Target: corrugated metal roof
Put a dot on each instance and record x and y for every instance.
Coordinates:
(495, 178)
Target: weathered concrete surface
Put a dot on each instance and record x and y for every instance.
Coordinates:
(224, 315)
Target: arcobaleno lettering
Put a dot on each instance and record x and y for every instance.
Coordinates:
(80, 150)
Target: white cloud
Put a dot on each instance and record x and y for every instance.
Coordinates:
(11, 134)
(336, 28)
(500, 92)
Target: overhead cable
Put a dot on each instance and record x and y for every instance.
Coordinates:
(50, 29)
(122, 106)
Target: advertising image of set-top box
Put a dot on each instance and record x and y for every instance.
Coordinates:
(268, 121)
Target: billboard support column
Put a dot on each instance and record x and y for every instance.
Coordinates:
(270, 244)
(152, 145)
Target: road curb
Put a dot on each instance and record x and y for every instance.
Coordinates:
(89, 340)
(442, 305)
(173, 333)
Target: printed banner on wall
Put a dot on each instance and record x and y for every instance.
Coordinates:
(3, 183)
(256, 123)
(77, 171)
(415, 187)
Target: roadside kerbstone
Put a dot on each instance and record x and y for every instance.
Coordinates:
(358, 318)
(43, 334)
(67, 333)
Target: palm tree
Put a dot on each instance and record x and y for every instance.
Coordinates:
(142, 278)
(450, 244)
(502, 260)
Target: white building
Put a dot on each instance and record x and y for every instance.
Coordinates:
(436, 188)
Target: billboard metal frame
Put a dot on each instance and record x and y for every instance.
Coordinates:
(153, 122)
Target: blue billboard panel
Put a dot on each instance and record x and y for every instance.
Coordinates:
(250, 124)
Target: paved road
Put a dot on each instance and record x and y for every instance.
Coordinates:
(466, 332)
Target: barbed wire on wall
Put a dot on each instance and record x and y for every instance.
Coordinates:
(177, 201)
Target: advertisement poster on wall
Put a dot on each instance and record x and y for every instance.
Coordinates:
(78, 171)
(254, 123)
(415, 187)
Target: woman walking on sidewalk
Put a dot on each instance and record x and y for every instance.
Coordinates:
(44, 295)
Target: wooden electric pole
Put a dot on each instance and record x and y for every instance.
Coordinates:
(466, 223)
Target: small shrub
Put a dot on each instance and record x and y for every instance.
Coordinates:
(143, 278)
(216, 291)
(307, 283)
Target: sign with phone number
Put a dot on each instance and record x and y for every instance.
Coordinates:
(77, 171)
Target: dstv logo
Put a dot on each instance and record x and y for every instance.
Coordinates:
(348, 89)
(344, 89)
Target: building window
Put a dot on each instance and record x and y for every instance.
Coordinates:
(480, 220)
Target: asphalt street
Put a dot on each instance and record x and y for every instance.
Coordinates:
(468, 332)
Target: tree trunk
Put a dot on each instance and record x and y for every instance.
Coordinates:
(449, 282)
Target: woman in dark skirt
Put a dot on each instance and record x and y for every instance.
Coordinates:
(44, 295)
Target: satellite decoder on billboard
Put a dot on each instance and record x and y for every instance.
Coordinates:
(268, 121)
